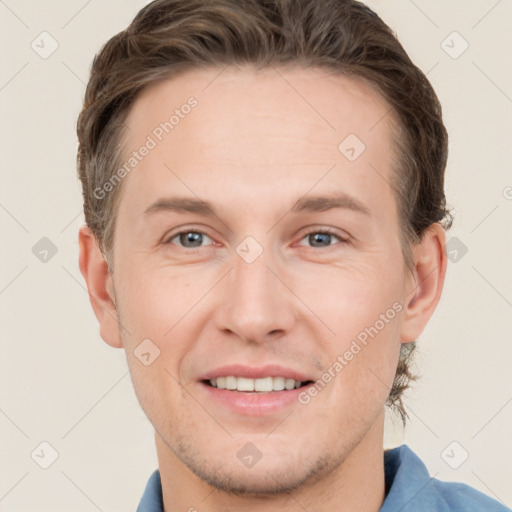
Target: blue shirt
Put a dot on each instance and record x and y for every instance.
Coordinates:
(409, 488)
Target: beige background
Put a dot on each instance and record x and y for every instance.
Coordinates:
(60, 383)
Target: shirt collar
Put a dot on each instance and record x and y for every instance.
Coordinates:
(152, 500)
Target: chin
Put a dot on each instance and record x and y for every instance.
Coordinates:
(269, 476)
(262, 482)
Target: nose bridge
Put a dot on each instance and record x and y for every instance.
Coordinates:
(257, 302)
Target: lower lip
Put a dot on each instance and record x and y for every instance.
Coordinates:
(253, 403)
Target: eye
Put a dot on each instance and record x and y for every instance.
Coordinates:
(189, 239)
(193, 239)
(322, 238)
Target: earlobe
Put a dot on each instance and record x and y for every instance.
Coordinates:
(94, 268)
(426, 283)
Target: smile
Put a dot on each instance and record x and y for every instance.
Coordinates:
(262, 385)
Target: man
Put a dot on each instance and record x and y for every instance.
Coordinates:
(263, 192)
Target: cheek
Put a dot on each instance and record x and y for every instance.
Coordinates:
(155, 302)
(351, 297)
(154, 311)
(355, 385)
(363, 309)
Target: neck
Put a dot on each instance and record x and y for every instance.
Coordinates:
(357, 483)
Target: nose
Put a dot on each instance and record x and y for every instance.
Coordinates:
(257, 304)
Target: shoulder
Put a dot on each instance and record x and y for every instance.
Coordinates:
(411, 488)
(459, 496)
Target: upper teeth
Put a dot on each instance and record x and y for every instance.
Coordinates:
(265, 384)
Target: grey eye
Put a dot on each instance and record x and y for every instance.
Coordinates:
(321, 238)
(190, 239)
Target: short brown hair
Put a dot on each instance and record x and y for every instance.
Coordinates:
(171, 36)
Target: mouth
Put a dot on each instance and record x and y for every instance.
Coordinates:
(261, 385)
(243, 390)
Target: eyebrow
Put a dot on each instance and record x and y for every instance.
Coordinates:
(307, 203)
(323, 203)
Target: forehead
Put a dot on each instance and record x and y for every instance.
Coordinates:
(282, 101)
(258, 130)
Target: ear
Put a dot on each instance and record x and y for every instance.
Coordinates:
(96, 273)
(425, 285)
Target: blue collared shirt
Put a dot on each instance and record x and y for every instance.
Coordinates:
(411, 489)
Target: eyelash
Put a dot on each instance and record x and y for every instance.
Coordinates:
(324, 231)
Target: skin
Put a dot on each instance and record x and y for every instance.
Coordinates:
(253, 147)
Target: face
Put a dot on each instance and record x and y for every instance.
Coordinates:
(253, 249)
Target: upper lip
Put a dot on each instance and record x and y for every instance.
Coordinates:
(253, 372)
